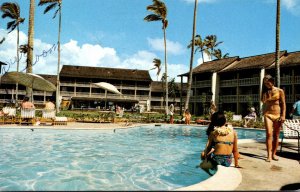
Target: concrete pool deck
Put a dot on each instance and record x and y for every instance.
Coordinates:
(255, 174)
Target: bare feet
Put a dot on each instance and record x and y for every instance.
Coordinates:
(275, 158)
(268, 160)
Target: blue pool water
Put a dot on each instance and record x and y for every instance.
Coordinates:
(143, 158)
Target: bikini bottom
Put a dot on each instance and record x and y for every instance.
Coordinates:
(224, 160)
(273, 117)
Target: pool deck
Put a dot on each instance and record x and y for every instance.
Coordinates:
(255, 174)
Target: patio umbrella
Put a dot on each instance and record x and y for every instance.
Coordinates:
(109, 87)
(31, 80)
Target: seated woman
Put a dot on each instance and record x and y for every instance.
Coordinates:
(187, 117)
(26, 104)
(221, 144)
(251, 116)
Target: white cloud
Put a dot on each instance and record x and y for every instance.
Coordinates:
(292, 6)
(45, 57)
(174, 48)
(206, 59)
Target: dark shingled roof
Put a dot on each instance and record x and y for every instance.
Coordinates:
(156, 86)
(289, 59)
(253, 62)
(212, 66)
(105, 73)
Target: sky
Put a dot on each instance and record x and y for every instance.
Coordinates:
(113, 33)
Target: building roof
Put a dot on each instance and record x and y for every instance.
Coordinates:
(51, 78)
(289, 59)
(105, 73)
(212, 66)
(253, 62)
(156, 86)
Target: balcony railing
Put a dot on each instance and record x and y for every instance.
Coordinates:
(248, 98)
(228, 98)
(228, 83)
(199, 98)
(297, 80)
(249, 81)
(286, 80)
(200, 84)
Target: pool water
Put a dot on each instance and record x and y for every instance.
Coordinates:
(142, 158)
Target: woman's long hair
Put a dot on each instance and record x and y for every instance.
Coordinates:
(217, 119)
(264, 88)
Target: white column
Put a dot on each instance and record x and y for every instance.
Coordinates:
(214, 88)
(262, 74)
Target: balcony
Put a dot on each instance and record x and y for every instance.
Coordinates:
(200, 98)
(228, 98)
(248, 98)
(297, 80)
(286, 80)
(201, 84)
(228, 83)
(249, 81)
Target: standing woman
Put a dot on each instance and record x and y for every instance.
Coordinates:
(274, 109)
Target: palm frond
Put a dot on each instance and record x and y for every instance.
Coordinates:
(9, 15)
(10, 24)
(50, 7)
(152, 17)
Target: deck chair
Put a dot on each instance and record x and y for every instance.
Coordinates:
(60, 121)
(9, 114)
(48, 116)
(291, 130)
(237, 118)
(27, 116)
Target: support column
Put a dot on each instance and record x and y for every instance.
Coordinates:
(262, 74)
(214, 88)
(181, 84)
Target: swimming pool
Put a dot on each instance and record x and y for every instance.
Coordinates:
(142, 158)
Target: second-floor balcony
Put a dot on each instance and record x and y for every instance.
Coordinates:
(249, 81)
(200, 84)
(200, 98)
(228, 83)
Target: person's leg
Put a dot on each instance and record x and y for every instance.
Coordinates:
(269, 130)
(276, 132)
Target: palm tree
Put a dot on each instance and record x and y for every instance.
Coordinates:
(212, 43)
(159, 10)
(277, 48)
(217, 53)
(157, 65)
(30, 42)
(173, 89)
(188, 94)
(12, 11)
(55, 4)
(200, 46)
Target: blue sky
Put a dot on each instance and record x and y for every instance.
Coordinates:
(113, 33)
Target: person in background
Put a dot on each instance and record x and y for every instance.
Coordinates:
(295, 112)
(251, 116)
(171, 110)
(49, 105)
(212, 108)
(26, 104)
(187, 117)
(274, 109)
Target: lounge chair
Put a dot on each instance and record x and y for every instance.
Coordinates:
(60, 121)
(291, 130)
(27, 116)
(9, 114)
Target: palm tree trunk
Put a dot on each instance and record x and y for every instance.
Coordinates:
(277, 52)
(18, 41)
(30, 43)
(58, 63)
(166, 69)
(202, 54)
(191, 61)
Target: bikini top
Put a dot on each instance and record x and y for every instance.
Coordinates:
(224, 142)
(273, 95)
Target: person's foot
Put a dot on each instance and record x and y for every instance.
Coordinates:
(275, 158)
(268, 160)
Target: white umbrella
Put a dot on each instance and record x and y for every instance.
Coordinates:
(31, 80)
(109, 87)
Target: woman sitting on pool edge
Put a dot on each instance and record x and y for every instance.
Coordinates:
(221, 144)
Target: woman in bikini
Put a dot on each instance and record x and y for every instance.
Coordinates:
(274, 109)
(221, 144)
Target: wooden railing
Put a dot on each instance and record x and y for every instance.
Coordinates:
(249, 81)
(228, 83)
(200, 84)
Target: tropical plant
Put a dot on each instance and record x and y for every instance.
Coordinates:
(159, 10)
(277, 47)
(12, 11)
(173, 89)
(188, 95)
(217, 53)
(211, 43)
(50, 5)
(157, 65)
(200, 46)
